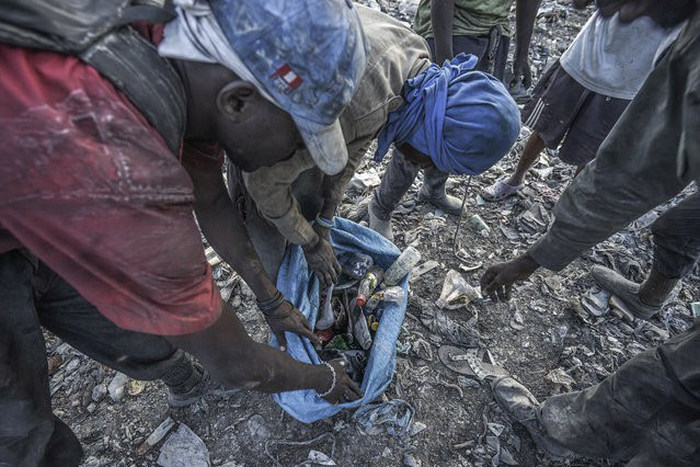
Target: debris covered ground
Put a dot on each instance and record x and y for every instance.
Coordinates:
(557, 334)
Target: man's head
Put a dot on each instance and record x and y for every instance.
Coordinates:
(667, 13)
(464, 121)
(294, 67)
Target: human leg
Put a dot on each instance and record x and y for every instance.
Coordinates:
(433, 191)
(676, 250)
(29, 432)
(397, 179)
(63, 311)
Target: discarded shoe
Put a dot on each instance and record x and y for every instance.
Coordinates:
(521, 405)
(625, 290)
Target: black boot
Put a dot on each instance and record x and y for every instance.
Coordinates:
(645, 300)
(433, 191)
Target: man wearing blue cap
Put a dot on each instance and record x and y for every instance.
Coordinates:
(97, 239)
(459, 120)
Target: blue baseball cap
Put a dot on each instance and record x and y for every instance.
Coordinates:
(309, 56)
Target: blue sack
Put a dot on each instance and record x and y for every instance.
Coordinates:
(302, 289)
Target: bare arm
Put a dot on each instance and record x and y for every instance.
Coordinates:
(441, 16)
(236, 360)
(525, 15)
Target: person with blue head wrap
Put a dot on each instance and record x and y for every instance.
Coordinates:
(453, 120)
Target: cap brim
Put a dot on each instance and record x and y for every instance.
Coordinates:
(326, 145)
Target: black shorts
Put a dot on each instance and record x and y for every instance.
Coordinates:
(562, 109)
(479, 46)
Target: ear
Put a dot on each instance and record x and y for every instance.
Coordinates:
(236, 99)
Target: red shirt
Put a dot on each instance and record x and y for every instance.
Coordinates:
(91, 189)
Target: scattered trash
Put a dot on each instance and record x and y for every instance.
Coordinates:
(560, 379)
(361, 182)
(134, 387)
(535, 219)
(456, 292)
(402, 266)
(516, 322)
(410, 461)
(327, 318)
(155, 436)
(319, 458)
(98, 392)
(454, 332)
(318, 439)
(212, 258)
(423, 268)
(477, 363)
(184, 449)
(477, 224)
(695, 307)
(596, 303)
(394, 416)
(116, 386)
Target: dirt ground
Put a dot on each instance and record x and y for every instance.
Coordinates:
(544, 328)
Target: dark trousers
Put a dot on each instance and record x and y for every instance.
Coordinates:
(647, 411)
(677, 238)
(268, 242)
(32, 296)
(492, 58)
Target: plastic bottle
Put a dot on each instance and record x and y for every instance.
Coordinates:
(391, 294)
(326, 318)
(360, 330)
(402, 266)
(368, 284)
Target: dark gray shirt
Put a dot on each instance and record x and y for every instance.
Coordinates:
(649, 157)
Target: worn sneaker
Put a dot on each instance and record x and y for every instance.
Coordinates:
(625, 290)
(177, 399)
(521, 405)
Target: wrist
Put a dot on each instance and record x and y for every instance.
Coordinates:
(328, 379)
(272, 304)
(313, 244)
(324, 222)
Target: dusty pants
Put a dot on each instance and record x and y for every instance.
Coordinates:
(677, 238)
(647, 411)
(31, 297)
(268, 242)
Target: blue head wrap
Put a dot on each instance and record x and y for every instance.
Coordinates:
(464, 120)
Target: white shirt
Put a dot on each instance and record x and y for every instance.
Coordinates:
(614, 58)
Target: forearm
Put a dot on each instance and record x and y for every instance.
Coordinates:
(441, 16)
(223, 227)
(235, 360)
(525, 15)
(597, 204)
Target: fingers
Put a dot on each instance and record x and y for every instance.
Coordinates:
(309, 334)
(353, 392)
(282, 339)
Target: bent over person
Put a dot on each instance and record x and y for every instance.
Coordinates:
(451, 117)
(97, 238)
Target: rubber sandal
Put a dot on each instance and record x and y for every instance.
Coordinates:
(499, 191)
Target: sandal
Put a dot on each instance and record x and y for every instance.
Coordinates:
(499, 191)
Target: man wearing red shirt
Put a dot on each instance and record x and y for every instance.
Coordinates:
(98, 242)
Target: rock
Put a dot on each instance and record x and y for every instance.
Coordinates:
(134, 387)
(184, 449)
(116, 386)
(319, 458)
(157, 435)
(99, 392)
(410, 461)
(256, 428)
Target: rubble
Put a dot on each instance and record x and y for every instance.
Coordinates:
(184, 449)
(546, 327)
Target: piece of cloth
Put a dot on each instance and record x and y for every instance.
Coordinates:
(471, 17)
(647, 412)
(614, 58)
(31, 297)
(396, 54)
(650, 156)
(479, 47)
(562, 109)
(397, 179)
(92, 190)
(677, 238)
(301, 287)
(464, 120)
